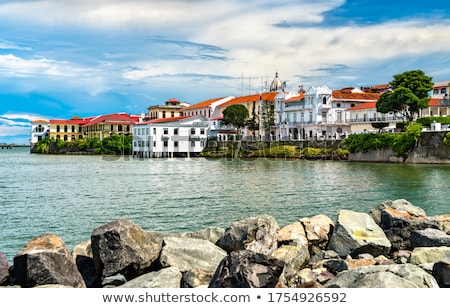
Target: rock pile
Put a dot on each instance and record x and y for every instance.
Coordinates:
(396, 245)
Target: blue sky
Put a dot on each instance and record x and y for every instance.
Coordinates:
(61, 58)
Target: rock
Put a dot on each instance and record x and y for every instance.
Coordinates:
(121, 247)
(46, 260)
(113, 281)
(196, 278)
(82, 254)
(335, 266)
(358, 233)
(429, 254)
(383, 276)
(441, 271)
(4, 270)
(444, 222)
(247, 269)
(258, 234)
(164, 278)
(292, 234)
(189, 254)
(399, 219)
(429, 238)
(294, 257)
(318, 230)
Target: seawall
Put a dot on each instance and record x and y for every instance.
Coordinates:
(429, 149)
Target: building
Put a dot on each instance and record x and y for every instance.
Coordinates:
(171, 109)
(106, 125)
(441, 90)
(364, 116)
(205, 108)
(67, 130)
(39, 130)
(170, 137)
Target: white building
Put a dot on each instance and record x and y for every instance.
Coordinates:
(170, 137)
(39, 130)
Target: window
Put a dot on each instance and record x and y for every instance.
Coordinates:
(163, 114)
(175, 131)
(443, 91)
(193, 131)
(166, 131)
(73, 128)
(172, 114)
(175, 144)
(324, 100)
(202, 131)
(58, 128)
(119, 128)
(338, 105)
(65, 138)
(154, 130)
(154, 144)
(165, 143)
(65, 128)
(192, 143)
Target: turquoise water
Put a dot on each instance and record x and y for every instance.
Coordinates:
(72, 195)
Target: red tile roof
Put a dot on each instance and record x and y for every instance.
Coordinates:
(203, 104)
(115, 118)
(267, 96)
(434, 102)
(347, 94)
(71, 121)
(296, 98)
(363, 106)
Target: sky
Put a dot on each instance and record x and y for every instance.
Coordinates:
(66, 58)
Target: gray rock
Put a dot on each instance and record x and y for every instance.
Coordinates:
(164, 278)
(4, 269)
(247, 269)
(399, 219)
(121, 247)
(258, 234)
(46, 260)
(318, 230)
(383, 276)
(429, 238)
(189, 254)
(357, 233)
(429, 254)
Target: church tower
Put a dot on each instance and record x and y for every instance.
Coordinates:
(277, 84)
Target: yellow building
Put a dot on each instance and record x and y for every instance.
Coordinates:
(67, 130)
(105, 125)
(172, 109)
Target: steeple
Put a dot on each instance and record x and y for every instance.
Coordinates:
(276, 84)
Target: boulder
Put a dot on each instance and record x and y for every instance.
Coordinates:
(164, 278)
(441, 271)
(121, 247)
(4, 270)
(247, 269)
(399, 219)
(189, 254)
(444, 222)
(429, 254)
(82, 255)
(318, 230)
(258, 234)
(46, 260)
(383, 276)
(196, 278)
(357, 233)
(429, 238)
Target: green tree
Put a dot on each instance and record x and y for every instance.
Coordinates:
(409, 95)
(235, 115)
(117, 144)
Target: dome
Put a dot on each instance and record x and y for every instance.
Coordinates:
(276, 84)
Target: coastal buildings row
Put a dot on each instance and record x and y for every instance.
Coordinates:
(180, 129)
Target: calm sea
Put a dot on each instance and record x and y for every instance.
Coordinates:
(71, 195)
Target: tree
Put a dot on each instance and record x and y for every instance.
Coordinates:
(409, 95)
(235, 115)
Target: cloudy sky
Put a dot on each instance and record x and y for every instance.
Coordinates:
(61, 58)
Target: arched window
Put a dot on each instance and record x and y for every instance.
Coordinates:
(73, 128)
(65, 128)
(119, 128)
(58, 128)
(65, 137)
(324, 100)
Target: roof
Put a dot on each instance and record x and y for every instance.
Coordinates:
(441, 84)
(40, 121)
(115, 118)
(364, 106)
(70, 122)
(301, 95)
(267, 96)
(203, 104)
(349, 94)
(434, 102)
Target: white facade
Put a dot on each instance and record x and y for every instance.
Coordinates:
(39, 130)
(317, 115)
(173, 138)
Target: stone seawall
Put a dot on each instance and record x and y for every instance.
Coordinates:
(429, 149)
(394, 245)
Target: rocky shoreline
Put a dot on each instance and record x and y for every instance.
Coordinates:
(395, 245)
